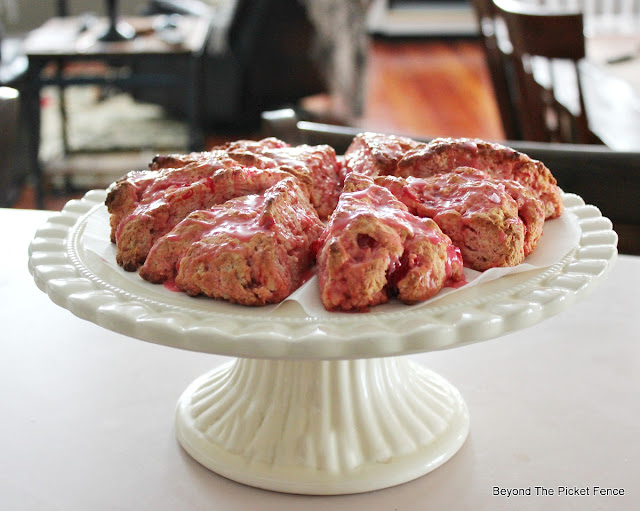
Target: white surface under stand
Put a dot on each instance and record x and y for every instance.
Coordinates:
(329, 407)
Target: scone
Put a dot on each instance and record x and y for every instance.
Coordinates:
(252, 250)
(317, 167)
(376, 154)
(162, 207)
(124, 195)
(373, 248)
(494, 222)
(447, 154)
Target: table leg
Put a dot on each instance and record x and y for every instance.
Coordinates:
(32, 109)
(62, 105)
(194, 87)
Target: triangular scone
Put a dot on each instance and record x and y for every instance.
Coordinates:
(251, 250)
(167, 201)
(376, 154)
(447, 154)
(373, 248)
(494, 222)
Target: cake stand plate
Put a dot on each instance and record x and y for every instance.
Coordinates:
(313, 404)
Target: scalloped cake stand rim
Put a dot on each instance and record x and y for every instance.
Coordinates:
(482, 313)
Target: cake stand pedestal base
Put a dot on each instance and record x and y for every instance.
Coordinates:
(322, 427)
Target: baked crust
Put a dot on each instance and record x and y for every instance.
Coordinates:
(447, 154)
(124, 195)
(376, 154)
(249, 147)
(252, 250)
(494, 222)
(373, 248)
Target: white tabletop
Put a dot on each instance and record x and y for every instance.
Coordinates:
(553, 406)
(602, 49)
(612, 90)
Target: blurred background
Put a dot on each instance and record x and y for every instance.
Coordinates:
(422, 68)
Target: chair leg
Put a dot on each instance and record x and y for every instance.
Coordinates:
(31, 107)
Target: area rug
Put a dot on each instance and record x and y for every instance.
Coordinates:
(99, 121)
(108, 133)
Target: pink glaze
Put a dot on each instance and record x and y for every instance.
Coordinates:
(239, 220)
(382, 204)
(243, 225)
(172, 286)
(166, 208)
(467, 193)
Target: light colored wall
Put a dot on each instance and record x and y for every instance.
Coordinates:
(19, 16)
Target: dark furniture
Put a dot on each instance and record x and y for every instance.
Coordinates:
(13, 132)
(61, 42)
(561, 74)
(498, 54)
(260, 56)
(11, 176)
(540, 36)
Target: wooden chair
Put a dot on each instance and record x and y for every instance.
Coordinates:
(547, 46)
(497, 53)
(619, 16)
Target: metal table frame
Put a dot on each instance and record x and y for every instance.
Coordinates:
(113, 56)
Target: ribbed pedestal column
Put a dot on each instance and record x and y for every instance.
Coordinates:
(321, 427)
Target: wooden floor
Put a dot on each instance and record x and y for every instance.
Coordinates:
(431, 88)
(414, 87)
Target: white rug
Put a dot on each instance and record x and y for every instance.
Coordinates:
(108, 137)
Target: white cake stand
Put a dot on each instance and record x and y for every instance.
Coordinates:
(314, 405)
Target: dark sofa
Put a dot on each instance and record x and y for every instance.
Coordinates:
(259, 57)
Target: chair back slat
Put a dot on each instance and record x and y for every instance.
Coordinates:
(547, 45)
(600, 16)
(530, 34)
(497, 50)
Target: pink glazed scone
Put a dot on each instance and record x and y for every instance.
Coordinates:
(251, 250)
(447, 154)
(494, 222)
(373, 248)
